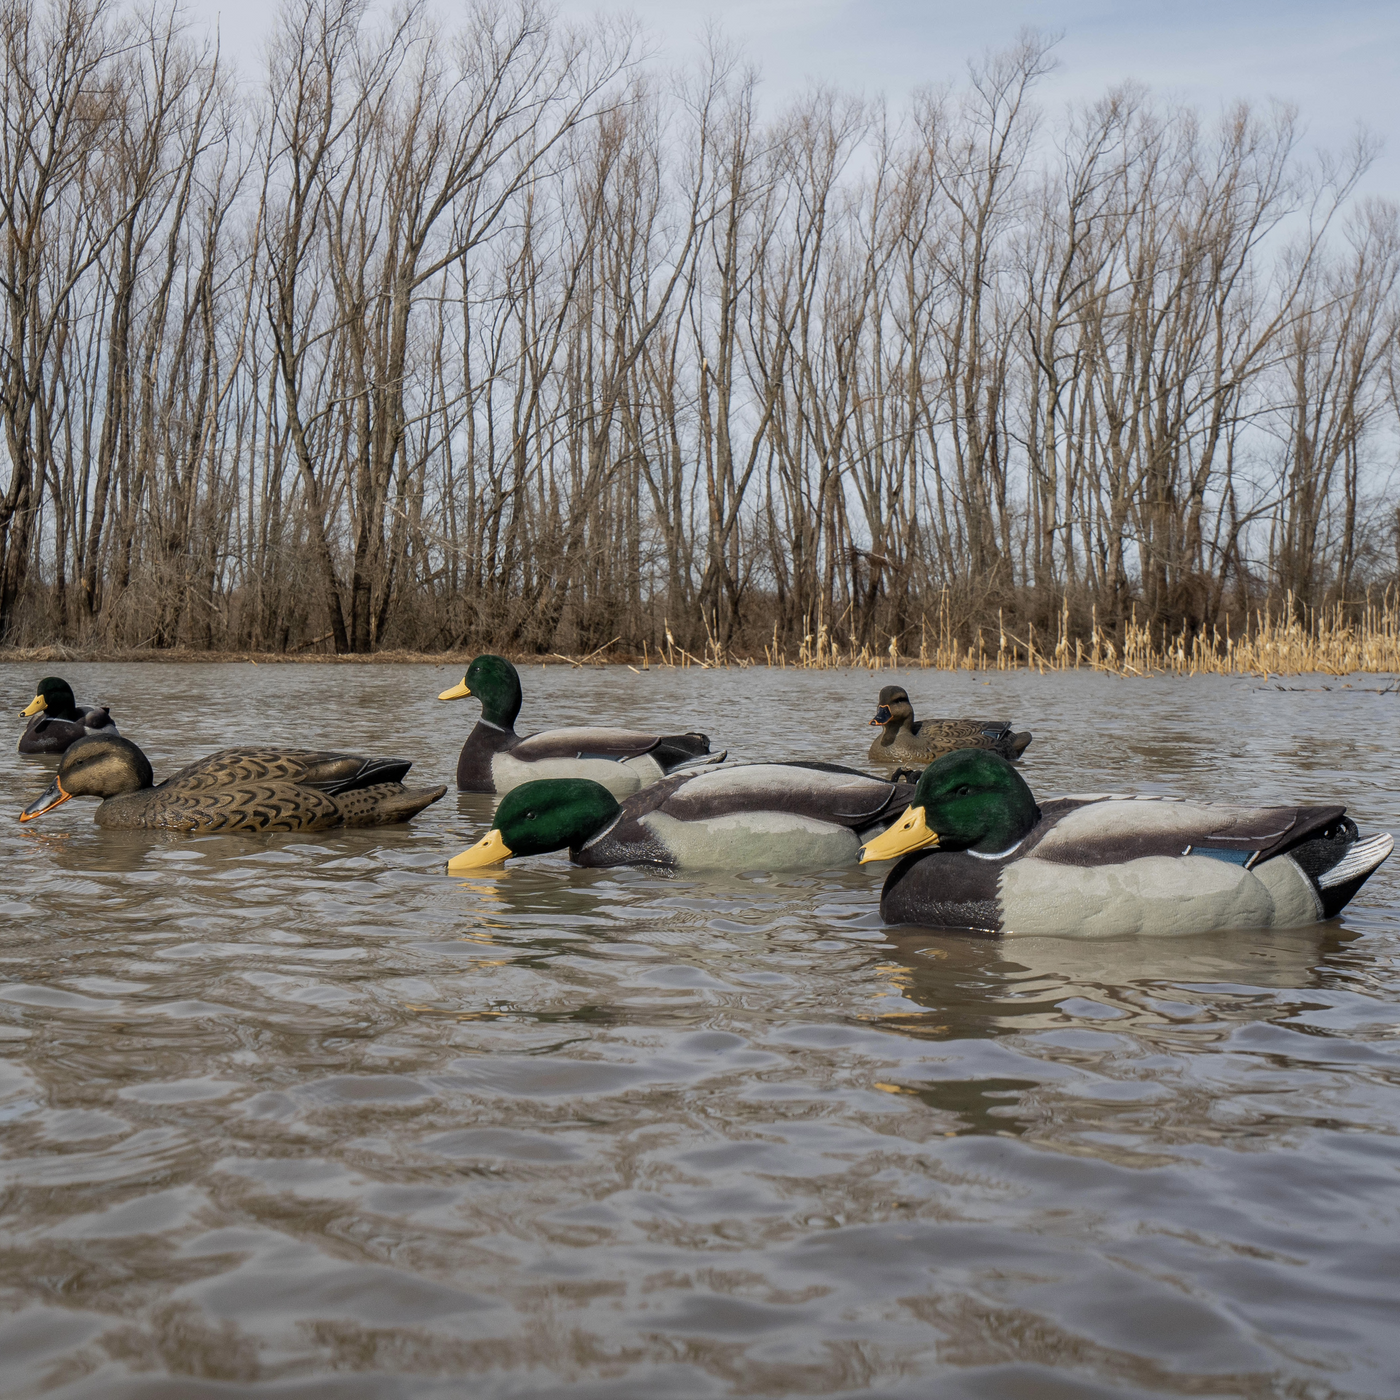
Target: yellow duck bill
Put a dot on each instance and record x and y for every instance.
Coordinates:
(34, 706)
(909, 833)
(456, 692)
(490, 850)
(52, 796)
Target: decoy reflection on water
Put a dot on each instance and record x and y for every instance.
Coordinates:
(495, 758)
(903, 739)
(962, 991)
(980, 854)
(250, 789)
(56, 720)
(757, 816)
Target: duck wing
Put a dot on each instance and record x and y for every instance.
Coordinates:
(327, 772)
(585, 742)
(96, 719)
(963, 728)
(1106, 829)
(823, 792)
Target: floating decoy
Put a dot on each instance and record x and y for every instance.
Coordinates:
(980, 855)
(495, 758)
(56, 720)
(755, 816)
(903, 739)
(252, 789)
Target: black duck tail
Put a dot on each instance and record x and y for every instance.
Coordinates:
(337, 774)
(1339, 861)
(674, 749)
(385, 804)
(1020, 743)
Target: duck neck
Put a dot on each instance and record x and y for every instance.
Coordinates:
(899, 727)
(501, 706)
(1013, 824)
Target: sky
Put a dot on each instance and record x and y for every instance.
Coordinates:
(1338, 61)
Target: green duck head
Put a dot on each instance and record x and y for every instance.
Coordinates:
(546, 815)
(893, 708)
(496, 683)
(53, 697)
(102, 765)
(968, 800)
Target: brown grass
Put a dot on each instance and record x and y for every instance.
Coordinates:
(1297, 641)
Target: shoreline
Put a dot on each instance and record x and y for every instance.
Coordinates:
(185, 656)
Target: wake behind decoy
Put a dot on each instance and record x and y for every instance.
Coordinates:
(755, 816)
(248, 790)
(56, 720)
(903, 739)
(980, 855)
(496, 759)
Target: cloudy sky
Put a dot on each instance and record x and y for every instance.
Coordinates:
(1337, 60)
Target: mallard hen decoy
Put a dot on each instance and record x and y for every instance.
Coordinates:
(56, 720)
(495, 758)
(903, 739)
(755, 816)
(1100, 865)
(253, 789)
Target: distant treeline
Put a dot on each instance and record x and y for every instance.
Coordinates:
(492, 335)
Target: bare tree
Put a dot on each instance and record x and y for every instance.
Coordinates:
(483, 335)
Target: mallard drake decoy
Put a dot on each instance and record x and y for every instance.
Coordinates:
(56, 720)
(754, 816)
(253, 789)
(903, 739)
(495, 758)
(1101, 864)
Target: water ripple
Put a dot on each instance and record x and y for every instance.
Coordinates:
(301, 1117)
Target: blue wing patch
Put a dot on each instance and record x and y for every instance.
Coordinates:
(1230, 857)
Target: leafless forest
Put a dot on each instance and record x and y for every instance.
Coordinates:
(498, 335)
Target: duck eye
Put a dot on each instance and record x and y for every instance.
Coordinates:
(963, 791)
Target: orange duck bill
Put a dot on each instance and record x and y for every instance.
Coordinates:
(910, 833)
(52, 796)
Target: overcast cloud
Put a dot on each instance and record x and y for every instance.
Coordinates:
(1336, 61)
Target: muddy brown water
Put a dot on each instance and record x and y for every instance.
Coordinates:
(301, 1116)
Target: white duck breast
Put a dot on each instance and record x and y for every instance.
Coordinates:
(758, 816)
(753, 841)
(621, 777)
(1161, 895)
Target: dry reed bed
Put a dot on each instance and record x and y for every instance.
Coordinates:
(1295, 642)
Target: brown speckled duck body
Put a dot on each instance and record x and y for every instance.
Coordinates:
(244, 789)
(903, 739)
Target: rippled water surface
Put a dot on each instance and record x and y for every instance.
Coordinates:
(302, 1116)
